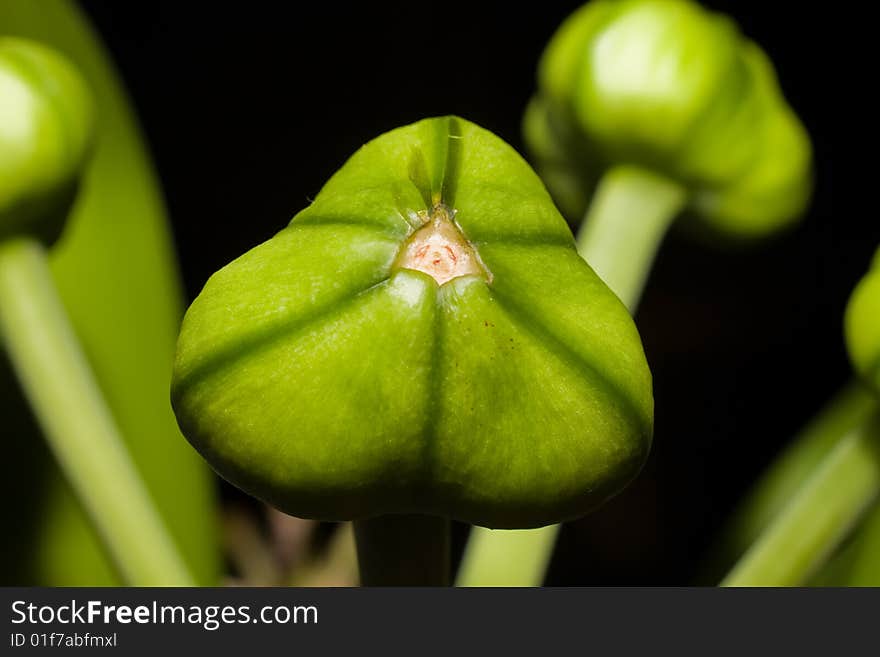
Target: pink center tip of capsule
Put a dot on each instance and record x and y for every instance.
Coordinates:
(439, 250)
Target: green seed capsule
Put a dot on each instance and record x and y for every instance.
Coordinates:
(672, 88)
(46, 129)
(862, 326)
(423, 338)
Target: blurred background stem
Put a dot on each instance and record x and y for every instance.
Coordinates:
(625, 224)
(849, 408)
(335, 566)
(819, 516)
(116, 274)
(76, 421)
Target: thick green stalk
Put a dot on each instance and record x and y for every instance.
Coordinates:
(502, 557)
(76, 421)
(624, 226)
(818, 517)
(404, 550)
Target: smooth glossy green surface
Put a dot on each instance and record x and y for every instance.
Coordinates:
(670, 87)
(46, 132)
(862, 326)
(317, 374)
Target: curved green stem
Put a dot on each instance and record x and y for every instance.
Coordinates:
(624, 226)
(853, 405)
(818, 517)
(76, 421)
(403, 550)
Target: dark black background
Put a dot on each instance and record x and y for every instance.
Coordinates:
(250, 106)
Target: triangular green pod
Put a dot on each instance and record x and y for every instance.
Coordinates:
(423, 338)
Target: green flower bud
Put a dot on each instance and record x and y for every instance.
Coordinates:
(862, 326)
(46, 129)
(670, 87)
(423, 338)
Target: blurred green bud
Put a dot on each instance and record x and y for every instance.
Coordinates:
(670, 87)
(423, 338)
(568, 171)
(46, 130)
(862, 326)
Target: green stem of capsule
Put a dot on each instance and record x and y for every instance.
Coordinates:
(624, 226)
(818, 517)
(403, 550)
(76, 421)
(853, 405)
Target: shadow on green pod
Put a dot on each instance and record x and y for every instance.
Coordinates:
(46, 132)
(422, 339)
(862, 326)
(670, 88)
(115, 273)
